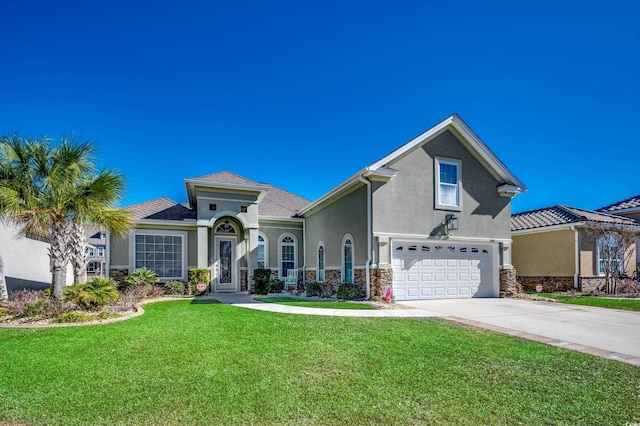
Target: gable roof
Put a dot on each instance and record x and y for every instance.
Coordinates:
(562, 215)
(630, 204)
(161, 208)
(228, 178)
(380, 170)
(276, 202)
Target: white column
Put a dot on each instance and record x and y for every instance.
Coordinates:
(203, 247)
(384, 258)
(505, 256)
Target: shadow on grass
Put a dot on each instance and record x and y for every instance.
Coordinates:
(205, 302)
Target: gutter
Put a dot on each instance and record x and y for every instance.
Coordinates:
(304, 255)
(369, 233)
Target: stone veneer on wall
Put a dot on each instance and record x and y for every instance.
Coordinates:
(118, 274)
(549, 284)
(509, 285)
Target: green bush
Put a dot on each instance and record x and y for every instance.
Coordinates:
(107, 315)
(275, 285)
(349, 291)
(93, 294)
(142, 276)
(316, 289)
(261, 279)
(178, 288)
(3, 312)
(198, 275)
(73, 317)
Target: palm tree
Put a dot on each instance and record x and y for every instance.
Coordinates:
(45, 189)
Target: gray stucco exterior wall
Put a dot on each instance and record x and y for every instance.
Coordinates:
(406, 204)
(274, 231)
(348, 215)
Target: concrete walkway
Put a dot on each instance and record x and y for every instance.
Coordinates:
(243, 300)
(607, 333)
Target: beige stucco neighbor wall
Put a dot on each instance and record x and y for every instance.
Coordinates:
(544, 253)
(589, 256)
(406, 204)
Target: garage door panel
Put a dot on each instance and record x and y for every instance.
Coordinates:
(428, 270)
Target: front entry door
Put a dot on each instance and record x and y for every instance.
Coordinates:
(226, 265)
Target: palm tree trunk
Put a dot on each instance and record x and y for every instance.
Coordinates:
(4, 293)
(58, 254)
(78, 252)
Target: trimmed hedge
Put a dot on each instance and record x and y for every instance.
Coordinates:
(261, 279)
(198, 275)
(348, 291)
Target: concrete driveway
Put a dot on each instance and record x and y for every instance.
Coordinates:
(608, 333)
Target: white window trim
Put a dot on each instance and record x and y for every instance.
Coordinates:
(343, 271)
(324, 269)
(266, 249)
(295, 252)
(458, 164)
(182, 234)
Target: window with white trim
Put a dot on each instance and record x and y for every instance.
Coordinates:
(320, 274)
(287, 254)
(448, 183)
(94, 268)
(163, 254)
(262, 252)
(347, 259)
(607, 254)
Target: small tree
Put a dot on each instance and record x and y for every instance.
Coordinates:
(612, 242)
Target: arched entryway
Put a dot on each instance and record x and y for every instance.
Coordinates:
(227, 234)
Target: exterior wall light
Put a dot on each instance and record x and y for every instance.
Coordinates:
(452, 222)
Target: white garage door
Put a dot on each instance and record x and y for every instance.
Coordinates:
(439, 270)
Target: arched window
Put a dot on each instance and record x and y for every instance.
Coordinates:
(320, 274)
(225, 228)
(347, 259)
(262, 252)
(287, 254)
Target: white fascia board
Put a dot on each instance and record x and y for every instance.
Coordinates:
(564, 226)
(509, 191)
(191, 184)
(184, 222)
(481, 149)
(281, 219)
(347, 184)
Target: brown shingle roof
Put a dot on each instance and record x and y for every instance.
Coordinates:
(280, 203)
(560, 215)
(629, 203)
(227, 177)
(161, 208)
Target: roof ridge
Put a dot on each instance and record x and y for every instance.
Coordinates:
(536, 210)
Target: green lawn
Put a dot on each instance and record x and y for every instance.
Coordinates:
(297, 301)
(190, 362)
(603, 302)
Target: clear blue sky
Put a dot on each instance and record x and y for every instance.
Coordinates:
(303, 94)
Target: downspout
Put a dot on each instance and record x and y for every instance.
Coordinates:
(304, 254)
(369, 232)
(576, 239)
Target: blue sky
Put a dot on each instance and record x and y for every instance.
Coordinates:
(304, 94)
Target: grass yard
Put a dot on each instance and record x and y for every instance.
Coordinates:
(297, 301)
(602, 302)
(186, 362)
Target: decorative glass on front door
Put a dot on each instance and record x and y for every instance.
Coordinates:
(225, 262)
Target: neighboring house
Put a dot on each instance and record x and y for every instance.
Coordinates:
(431, 219)
(26, 261)
(96, 253)
(553, 247)
(628, 208)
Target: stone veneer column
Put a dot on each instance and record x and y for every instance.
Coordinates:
(508, 283)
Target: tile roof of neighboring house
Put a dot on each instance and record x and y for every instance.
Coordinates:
(227, 177)
(161, 208)
(560, 215)
(629, 203)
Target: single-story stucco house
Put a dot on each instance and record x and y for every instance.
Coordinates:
(553, 246)
(431, 220)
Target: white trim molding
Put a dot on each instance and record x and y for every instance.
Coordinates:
(439, 161)
(295, 251)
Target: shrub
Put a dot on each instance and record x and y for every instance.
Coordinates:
(349, 291)
(25, 303)
(142, 276)
(275, 285)
(107, 315)
(73, 317)
(3, 312)
(198, 275)
(176, 287)
(261, 279)
(316, 289)
(93, 294)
